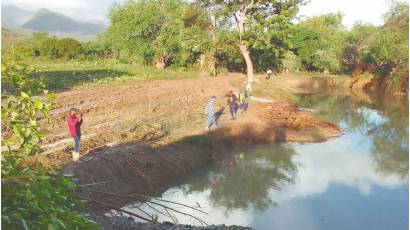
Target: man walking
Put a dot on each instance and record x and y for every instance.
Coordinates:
(210, 113)
(74, 121)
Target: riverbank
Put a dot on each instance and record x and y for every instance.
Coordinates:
(140, 138)
(129, 223)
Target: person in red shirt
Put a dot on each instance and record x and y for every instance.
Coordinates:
(233, 104)
(74, 121)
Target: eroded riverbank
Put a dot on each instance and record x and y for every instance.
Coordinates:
(142, 139)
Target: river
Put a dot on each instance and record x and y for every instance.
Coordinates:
(356, 181)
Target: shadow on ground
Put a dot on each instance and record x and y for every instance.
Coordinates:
(145, 167)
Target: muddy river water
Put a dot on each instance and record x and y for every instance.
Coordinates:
(356, 181)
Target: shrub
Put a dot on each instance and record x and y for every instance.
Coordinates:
(48, 47)
(68, 48)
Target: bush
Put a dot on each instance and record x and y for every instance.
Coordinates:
(31, 197)
(326, 60)
(68, 48)
(291, 62)
(48, 47)
(19, 52)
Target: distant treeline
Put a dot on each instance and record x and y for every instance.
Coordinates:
(181, 34)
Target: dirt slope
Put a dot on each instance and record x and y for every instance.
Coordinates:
(165, 112)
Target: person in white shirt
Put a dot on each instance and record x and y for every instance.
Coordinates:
(269, 72)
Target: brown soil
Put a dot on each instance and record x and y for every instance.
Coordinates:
(143, 137)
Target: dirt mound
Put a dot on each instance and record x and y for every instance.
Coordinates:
(289, 116)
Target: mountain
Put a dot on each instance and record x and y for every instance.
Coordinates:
(45, 20)
(14, 16)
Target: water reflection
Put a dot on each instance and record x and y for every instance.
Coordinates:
(356, 181)
(245, 179)
(384, 122)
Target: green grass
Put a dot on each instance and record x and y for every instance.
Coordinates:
(64, 75)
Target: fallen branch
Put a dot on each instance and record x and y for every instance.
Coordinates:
(122, 210)
(156, 203)
(136, 195)
(85, 185)
(183, 213)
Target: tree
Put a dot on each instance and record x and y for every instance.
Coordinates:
(355, 55)
(32, 197)
(68, 48)
(390, 47)
(318, 41)
(158, 32)
(259, 23)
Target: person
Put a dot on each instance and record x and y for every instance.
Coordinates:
(269, 72)
(233, 104)
(210, 113)
(244, 101)
(248, 86)
(240, 100)
(74, 121)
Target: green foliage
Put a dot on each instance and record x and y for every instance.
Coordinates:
(68, 48)
(356, 50)
(48, 47)
(20, 52)
(39, 37)
(228, 54)
(291, 62)
(318, 41)
(32, 197)
(96, 50)
(163, 32)
(263, 27)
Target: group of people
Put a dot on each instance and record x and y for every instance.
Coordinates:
(235, 102)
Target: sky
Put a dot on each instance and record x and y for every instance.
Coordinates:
(369, 11)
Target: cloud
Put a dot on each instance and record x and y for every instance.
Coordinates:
(81, 10)
(345, 162)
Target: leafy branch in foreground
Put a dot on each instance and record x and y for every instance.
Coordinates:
(32, 196)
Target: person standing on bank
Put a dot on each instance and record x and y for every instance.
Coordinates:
(210, 113)
(74, 121)
(269, 72)
(233, 104)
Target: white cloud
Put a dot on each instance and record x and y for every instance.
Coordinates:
(343, 163)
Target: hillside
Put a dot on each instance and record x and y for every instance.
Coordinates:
(47, 21)
(14, 16)
(9, 38)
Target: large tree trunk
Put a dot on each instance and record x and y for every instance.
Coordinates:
(247, 57)
(240, 24)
